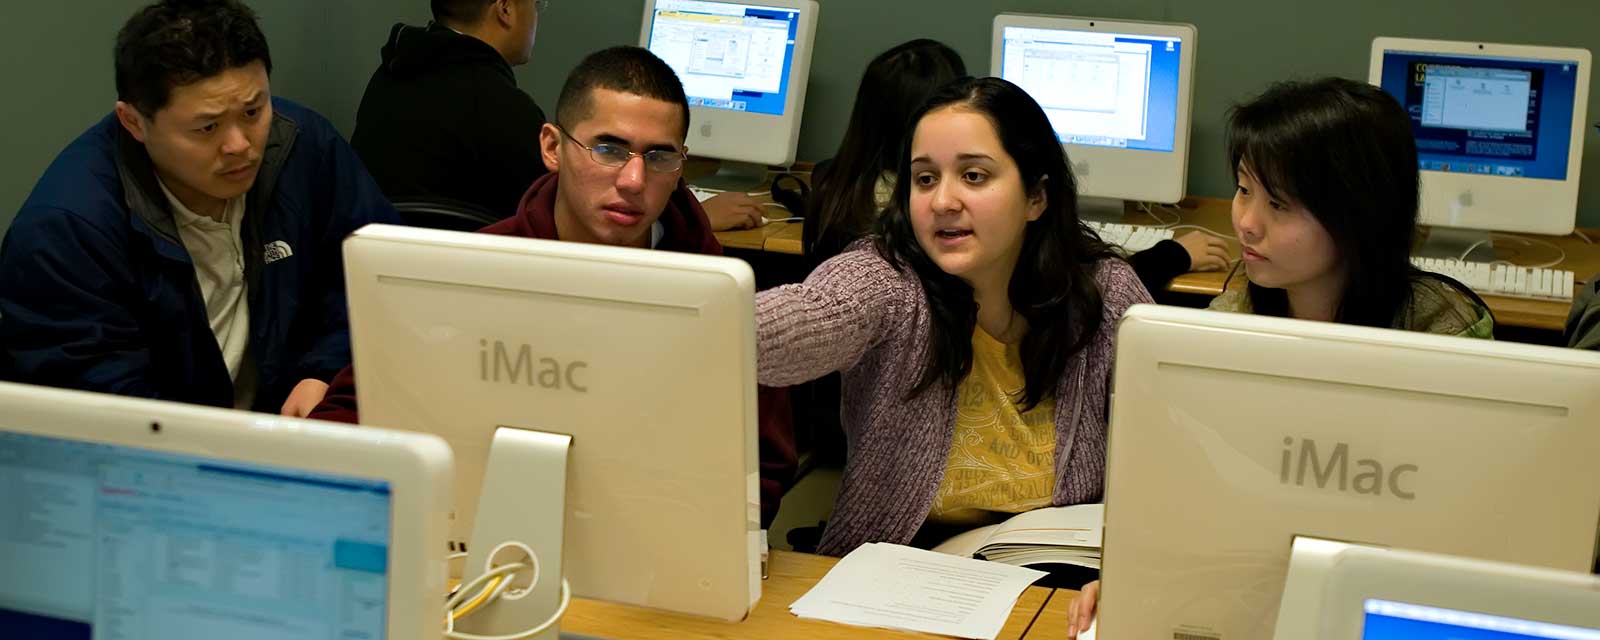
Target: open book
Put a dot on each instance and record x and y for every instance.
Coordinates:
(1059, 535)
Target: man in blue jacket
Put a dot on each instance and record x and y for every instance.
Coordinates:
(187, 247)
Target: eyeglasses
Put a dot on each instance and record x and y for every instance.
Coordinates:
(616, 155)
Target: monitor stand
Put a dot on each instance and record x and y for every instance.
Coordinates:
(740, 177)
(1450, 243)
(524, 500)
(1310, 560)
(1102, 210)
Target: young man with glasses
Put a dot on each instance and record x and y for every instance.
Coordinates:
(442, 117)
(615, 155)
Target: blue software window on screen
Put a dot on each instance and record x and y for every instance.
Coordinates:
(104, 542)
(1387, 620)
(1491, 116)
(1099, 89)
(728, 55)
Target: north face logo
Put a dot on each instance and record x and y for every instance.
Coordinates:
(275, 251)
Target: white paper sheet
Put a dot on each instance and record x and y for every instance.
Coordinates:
(898, 587)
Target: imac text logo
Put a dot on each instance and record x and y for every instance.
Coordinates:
(1371, 477)
(498, 362)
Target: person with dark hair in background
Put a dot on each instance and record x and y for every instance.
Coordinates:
(442, 117)
(974, 331)
(1326, 211)
(443, 120)
(187, 246)
(1583, 323)
(852, 189)
(615, 154)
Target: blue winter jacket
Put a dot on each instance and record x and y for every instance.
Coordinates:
(98, 293)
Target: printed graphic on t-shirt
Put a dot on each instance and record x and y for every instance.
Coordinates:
(1002, 459)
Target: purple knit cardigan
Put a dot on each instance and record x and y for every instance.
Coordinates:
(857, 314)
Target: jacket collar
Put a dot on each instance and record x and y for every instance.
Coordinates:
(684, 224)
(149, 209)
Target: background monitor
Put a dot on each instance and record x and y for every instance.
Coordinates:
(1118, 94)
(138, 520)
(1499, 131)
(1231, 434)
(645, 358)
(744, 65)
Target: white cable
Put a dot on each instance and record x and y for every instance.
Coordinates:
(509, 571)
(1530, 241)
(1177, 215)
(1581, 234)
(561, 610)
(501, 588)
(1470, 249)
(477, 584)
(1149, 208)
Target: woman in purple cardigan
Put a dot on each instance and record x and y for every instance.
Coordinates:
(974, 330)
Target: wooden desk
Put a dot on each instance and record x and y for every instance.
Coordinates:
(784, 237)
(1052, 620)
(791, 575)
(775, 237)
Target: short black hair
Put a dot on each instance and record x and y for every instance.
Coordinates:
(460, 12)
(631, 70)
(173, 43)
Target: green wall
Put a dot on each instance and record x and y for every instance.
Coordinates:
(59, 71)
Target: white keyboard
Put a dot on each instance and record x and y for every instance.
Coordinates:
(1504, 280)
(1131, 238)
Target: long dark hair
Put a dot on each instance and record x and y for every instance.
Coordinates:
(1343, 150)
(1053, 286)
(843, 206)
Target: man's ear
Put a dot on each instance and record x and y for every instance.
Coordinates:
(505, 12)
(1038, 200)
(549, 146)
(132, 120)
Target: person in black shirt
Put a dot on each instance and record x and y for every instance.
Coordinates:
(443, 118)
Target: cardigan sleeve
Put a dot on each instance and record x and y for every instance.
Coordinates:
(850, 304)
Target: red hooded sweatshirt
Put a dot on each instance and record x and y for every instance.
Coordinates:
(686, 229)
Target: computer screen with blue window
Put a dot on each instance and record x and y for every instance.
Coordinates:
(1388, 620)
(729, 55)
(106, 542)
(1100, 89)
(1486, 115)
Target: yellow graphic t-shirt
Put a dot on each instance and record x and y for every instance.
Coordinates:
(1002, 460)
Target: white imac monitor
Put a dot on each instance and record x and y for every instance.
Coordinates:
(744, 65)
(1353, 592)
(1232, 434)
(1118, 94)
(1499, 131)
(644, 359)
(138, 520)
